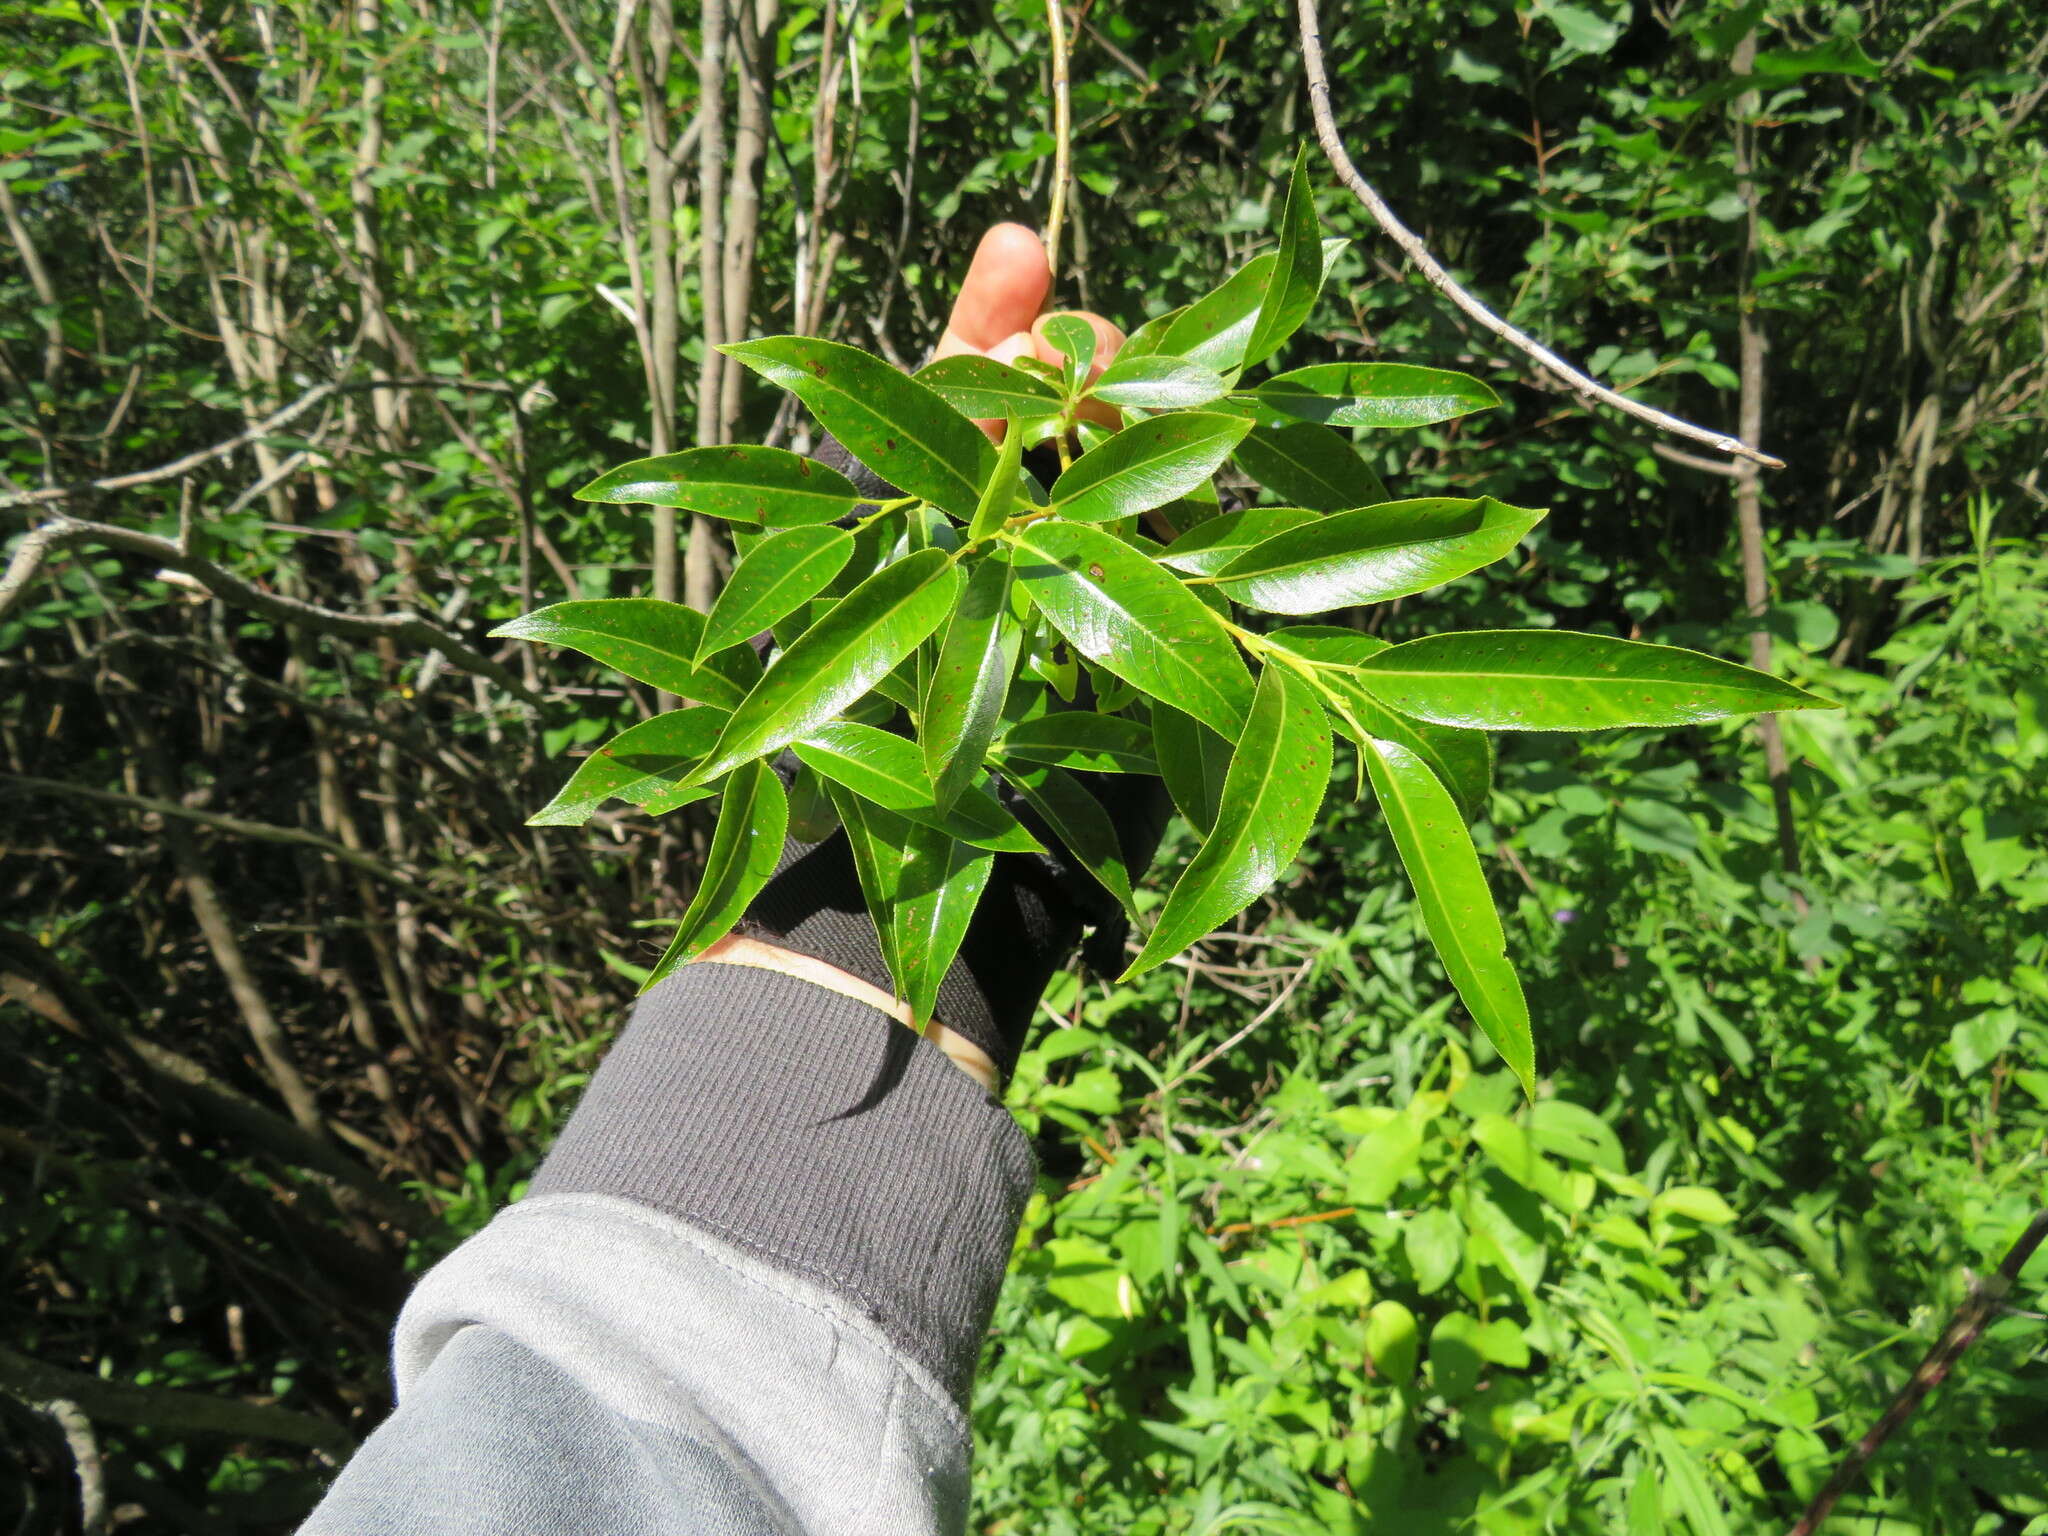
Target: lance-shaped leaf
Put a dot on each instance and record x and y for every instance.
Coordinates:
(876, 837)
(1083, 740)
(983, 387)
(969, 681)
(1208, 547)
(1463, 760)
(937, 886)
(644, 761)
(1374, 554)
(1457, 907)
(651, 641)
(1125, 613)
(1270, 797)
(753, 818)
(896, 426)
(1556, 680)
(773, 579)
(889, 771)
(841, 656)
(745, 484)
(1297, 274)
(1192, 760)
(1077, 819)
(1216, 329)
(1146, 466)
(1158, 383)
(1148, 339)
(1375, 394)
(1310, 465)
(999, 496)
(812, 816)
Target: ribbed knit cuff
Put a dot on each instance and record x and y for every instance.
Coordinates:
(819, 1134)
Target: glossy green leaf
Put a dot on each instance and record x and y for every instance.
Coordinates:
(745, 484)
(639, 763)
(774, 578)
(1217, 328)
(896, 426)
(1148, 339)
(1146, 466)
(1375, 394)
(889, 770)
(1082, 740)
(1687, 1485)
(1158, 384)
(1313, 466)
(1076, 818)
(840, 657)
(937, 887)
(1463, 760)
(1374, 554)
(970, 680)
(1557, 680)
(999, 496)
(1208, 547)
(651, 641)
(1275, 785)
(1192, 760)
(1128, 615)
(1457, 907)
(753, 819)
(812, 816)
(982, 387)
(1297, 274)
(876, 837)
(1074, 339)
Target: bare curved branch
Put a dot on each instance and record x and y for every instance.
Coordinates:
(1578, 383)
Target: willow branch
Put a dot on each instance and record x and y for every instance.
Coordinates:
(1578, 383)
(409, 628)
(1062, 134)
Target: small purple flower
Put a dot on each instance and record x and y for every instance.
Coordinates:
(1564, 915)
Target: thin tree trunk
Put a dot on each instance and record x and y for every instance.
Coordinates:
(700, 575)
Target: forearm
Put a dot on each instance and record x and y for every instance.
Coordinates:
(756, 1268)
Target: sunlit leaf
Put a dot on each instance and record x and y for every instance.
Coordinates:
(1375, 394)
(938, 885)
(747, 484)
(1158, 383)
(970, 680)
(999, 496)
(889, 770)
(1082, 740)
(982, 387)
(1146, 466)
(638, 764)
(651, 641)
(774, 578)
(1374, 554)
(1209, 546)
(753, 818)
(1313, 466)
(1296, 277)
(1278, 773)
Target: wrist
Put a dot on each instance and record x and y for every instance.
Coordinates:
(739, 949)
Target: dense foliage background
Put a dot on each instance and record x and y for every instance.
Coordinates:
(293, 999)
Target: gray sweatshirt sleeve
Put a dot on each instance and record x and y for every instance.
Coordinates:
(744, 1296)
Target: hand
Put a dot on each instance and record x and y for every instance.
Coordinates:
(997, 314)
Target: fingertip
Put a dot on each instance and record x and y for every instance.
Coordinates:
(1005, 286)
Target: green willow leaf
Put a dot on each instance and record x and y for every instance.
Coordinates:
(753, 819)
(847, 651)
(1074, 339)
(1457, 907)
(896, 426)
(1158, 384)
(1208, 547)
(1128, 615)
(876, 837)
(1297, 275)
(1147, 339)
(1374, 554)
(746, 484)
(1146, 466)
(999, 496)
(812, 816)
(1557, 680)
(1271, 794)
(1192, 760)
(1076, 818)
(638, 764)
(773, 579)
(984, 388)
(970, 680)
(651, 641)
(1083, 740)
(889, 770)
(1313, 466)
(1463, 760)
(1216, 329)
(1375, 394)
(938, 885)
